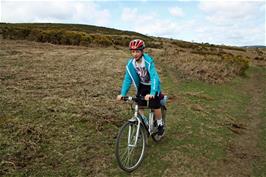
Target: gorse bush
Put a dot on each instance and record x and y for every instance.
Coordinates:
(15, 33)
(121, 40)
(232, 48)
(204, 50)
(71, 34)
(184, 44)
(239, 62)
(55, 36)
(102, 40)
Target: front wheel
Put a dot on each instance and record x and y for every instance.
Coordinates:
(155, 135)
(128, 156)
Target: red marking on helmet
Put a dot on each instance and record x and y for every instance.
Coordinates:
(136, 44)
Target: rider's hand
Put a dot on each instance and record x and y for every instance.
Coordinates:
(119, 97)
(148, 97)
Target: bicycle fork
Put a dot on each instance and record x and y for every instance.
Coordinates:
(136, 118)
(136, 136)
(138, 127)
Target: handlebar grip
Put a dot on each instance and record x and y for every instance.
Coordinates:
(124, 98)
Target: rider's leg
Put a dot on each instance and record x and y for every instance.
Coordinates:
(158, 114)
(159, 120)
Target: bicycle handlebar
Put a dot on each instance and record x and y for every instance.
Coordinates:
(130, 98)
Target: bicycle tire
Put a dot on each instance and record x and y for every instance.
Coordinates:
(155, 136)
(119, 146)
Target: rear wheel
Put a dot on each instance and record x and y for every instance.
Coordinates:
(155, 135)
(130, 157)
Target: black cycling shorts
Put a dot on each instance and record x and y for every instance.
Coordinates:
(154, 103)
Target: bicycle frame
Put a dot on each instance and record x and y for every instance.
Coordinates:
(137, 117)
(132, 139)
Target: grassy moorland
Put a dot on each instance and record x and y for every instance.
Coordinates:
(59, 117)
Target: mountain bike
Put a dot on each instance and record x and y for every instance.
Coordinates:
(132, 137)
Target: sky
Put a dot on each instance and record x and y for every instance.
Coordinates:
(234, 22)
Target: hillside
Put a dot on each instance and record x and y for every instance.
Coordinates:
(208, 62)
(72, 27)
(59, 116)
(69, 34)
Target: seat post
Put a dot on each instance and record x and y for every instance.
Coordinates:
(151, 116)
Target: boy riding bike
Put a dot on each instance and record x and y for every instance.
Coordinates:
(141, 71)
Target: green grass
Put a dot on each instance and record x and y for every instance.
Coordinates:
(70, 129)
(259, 166)
(199, 137)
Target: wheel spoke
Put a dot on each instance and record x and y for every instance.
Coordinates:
(130, 154)
(124, 155)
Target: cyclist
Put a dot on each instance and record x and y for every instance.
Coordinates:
(141, 70)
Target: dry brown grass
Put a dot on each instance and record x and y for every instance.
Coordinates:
(214, 68)
(50, 93)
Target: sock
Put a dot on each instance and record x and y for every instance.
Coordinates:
(160, 122)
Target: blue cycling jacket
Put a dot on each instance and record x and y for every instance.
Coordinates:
(132, 76)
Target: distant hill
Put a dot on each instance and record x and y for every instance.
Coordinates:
(70, 34)
(90, 29)
(89, 35)
(255, 46)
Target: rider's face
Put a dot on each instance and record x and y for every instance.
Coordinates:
(136, 54)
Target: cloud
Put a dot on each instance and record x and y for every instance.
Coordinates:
(236, 34)
(133, 15)
(226, 13)
(232, 23)
(90, 13)
(0, 11)
(176, 11)
(151, 24)
(54, 11)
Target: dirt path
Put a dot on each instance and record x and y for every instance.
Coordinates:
(243, 150)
